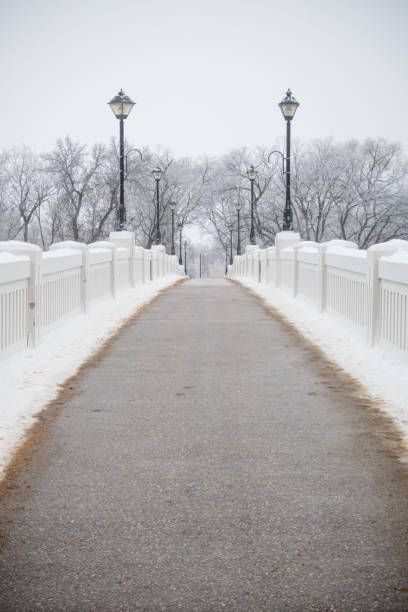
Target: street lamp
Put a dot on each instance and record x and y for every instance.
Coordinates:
(185, 257)
(180, 229)
(231, 229)
(252, 174)
(238, 207)
(172, 208)
(288, 107)
(157, 174)
(121, 106)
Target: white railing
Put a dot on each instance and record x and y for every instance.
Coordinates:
(41, 290)
(366, 292)
(60, 286)
(15, 272)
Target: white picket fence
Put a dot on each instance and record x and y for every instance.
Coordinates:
(364, 291)
(40, 290)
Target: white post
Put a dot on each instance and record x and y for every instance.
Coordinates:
(283, 240)
(126, 240)
(34, 297)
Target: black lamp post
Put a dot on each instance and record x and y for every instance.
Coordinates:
(180, 229)
(157, 174)
(172, 208)
(185, 257)
(288, 107)
(238, 207)
(252, 174)
(121, 106)
(231, 229)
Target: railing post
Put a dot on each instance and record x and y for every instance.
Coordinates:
(126, 240)
(283, 240)
(34, 297)
(374, 294)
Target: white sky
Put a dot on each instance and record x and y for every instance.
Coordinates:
(206, 74)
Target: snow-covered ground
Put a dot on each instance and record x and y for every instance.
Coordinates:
(384, 377)
(32, 377)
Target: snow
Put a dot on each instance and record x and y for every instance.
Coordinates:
(347, 252)
(308, 249)
(383, 376)
(398, 257)
(31, 378)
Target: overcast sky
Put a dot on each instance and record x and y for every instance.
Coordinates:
(206, 75)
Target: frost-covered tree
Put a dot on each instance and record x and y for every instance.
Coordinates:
(25, 189)
(355, 191)
(77, 176)
(183, 182)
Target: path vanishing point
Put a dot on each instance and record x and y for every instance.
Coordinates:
(209, 459)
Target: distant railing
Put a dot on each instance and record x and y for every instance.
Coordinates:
(364, 291)
(41, 290)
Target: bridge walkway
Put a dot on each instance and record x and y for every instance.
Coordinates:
(209, 459)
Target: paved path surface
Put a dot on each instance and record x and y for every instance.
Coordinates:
(209, 461)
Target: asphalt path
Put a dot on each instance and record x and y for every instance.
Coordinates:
(209, 459)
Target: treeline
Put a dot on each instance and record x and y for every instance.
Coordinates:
(355, 191)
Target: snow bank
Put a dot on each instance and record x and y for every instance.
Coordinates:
(31, 378)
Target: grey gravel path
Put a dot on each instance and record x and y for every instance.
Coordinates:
(209, 461)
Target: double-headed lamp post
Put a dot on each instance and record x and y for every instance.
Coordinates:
(231, 229)
(180, 229)
(121, 106)
(238, 207)
(172, 208)
(288, 107)
(157, 174)
(252, 174)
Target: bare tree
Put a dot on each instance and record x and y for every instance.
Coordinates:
(28, 188)
(75, 175)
